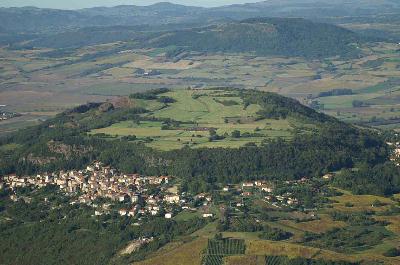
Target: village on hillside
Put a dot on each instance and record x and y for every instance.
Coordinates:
(106, 189)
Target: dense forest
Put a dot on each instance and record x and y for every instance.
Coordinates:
(382, 179)
(266, 36)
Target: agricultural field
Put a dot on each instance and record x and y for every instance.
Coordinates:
(198, 112)
(42, 82)
(218, 249)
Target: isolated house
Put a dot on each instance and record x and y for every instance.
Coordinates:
(168, 215)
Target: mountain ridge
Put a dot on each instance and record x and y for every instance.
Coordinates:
(34, 19)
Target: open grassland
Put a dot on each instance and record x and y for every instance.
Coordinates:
(186, 215)
(198, 111)
(352, 203)
(202, 107)
(322, 225)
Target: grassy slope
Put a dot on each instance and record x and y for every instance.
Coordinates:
(203, 111)
(182, 254)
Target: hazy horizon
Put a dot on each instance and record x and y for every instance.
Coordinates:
(78, 4)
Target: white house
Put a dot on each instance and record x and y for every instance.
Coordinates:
(168, 215)
(207, 215)
(247, 185)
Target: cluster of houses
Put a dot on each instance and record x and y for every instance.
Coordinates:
(276, 194)
(267, 190)
(134, 195)
(5, 115)
(99, 181)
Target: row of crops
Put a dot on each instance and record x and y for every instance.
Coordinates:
(218, 249)
(213, 260)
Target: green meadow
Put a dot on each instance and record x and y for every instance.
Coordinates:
(198, 112)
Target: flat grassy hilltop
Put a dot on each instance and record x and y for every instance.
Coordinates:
(191, 117)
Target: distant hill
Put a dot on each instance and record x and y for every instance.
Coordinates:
(308, 8)
(266, 36)
(85, 36)
(36, 19)
(29, 19)
(261, 36)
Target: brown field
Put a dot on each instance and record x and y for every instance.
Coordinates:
(188, 253)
